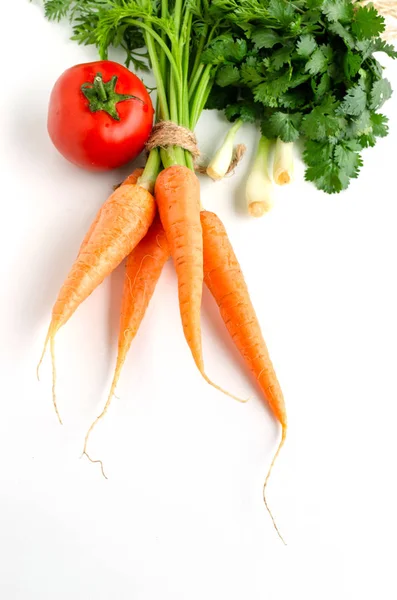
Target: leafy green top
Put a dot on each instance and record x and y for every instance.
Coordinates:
(305, 69)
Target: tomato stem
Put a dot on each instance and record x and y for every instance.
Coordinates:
(102, 95)
(100, 88)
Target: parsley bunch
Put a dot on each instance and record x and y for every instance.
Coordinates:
(305, 69)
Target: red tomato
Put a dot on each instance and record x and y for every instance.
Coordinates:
(100, 115)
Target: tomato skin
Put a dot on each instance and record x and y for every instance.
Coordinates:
(95, 140)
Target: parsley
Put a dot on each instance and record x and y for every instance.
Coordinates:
(306, 46)
(310, 70)
(367, 23)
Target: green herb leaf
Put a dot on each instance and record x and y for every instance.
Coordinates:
(378, 45)
(280, 57)
(225, 49)
(338, 10)
(379, 124)
(265, 38)
(324, 86)
(323, 121)
(381, 91)
(306, 46)
(282, 125)
(367, 23)
(317, 63)
(281, 11)
(248, 112)
(341, 31)
(227, 75)
(251, 71)
(354, 102)
(352, 64)
(55, 10)
(269, 91)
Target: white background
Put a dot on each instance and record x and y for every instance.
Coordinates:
(181, 516)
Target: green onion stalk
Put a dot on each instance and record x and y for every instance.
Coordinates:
(259, 186)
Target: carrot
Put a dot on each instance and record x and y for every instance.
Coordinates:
(224, 279)
(143, 269)
(131, 179)
(122, 222)
(177, 193)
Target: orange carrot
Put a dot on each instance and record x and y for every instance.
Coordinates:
(177, 193)
(122, 222)
(130, 180)
(224, 279)
(143, 270)
(133, 178)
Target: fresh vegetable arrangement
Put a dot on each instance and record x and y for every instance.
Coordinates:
(302, 69)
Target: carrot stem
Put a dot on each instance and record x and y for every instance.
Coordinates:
(152, 169)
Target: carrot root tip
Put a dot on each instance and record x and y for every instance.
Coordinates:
(54, 379)
(97, 461)
(265, 486)
(220, 389)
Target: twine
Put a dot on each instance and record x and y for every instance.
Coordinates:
(166, 133)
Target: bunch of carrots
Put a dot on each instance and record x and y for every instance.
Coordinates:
(147, 230)
(157, 214)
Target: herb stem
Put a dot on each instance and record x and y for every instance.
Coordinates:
(151, 170)
(200, 97)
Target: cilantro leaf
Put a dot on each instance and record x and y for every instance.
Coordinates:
(281, 11)
(317, 63)
(306, 46)
(220, 98)
(352, 64)
(367, 23)
(269, 90)
(348, 159)
(265, 38)
(341, 31)
(338, 10)
(282, 125)
(359, 126)
(323, 121)
(324, 86)
(248, 112)
(327, 177)
(280, 57)
(292, 100)
(227, 75)
(225, 49)
(331, 165)
(380, 45)
(381, 91)
(376, 127)
(312, 4)
(251, 71)
(355, 101)
(317, 152)
(379, 124)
